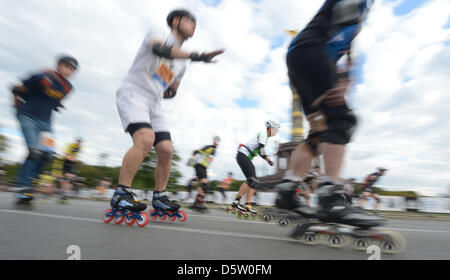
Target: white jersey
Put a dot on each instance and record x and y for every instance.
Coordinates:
(151, 73)
(254, 146)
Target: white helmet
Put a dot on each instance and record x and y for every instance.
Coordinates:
(270, 124)
(216, 139)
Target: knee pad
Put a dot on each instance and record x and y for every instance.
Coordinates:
(252, 182)
(207, 188)
(318, 124)
(341, 126)
(35, 154)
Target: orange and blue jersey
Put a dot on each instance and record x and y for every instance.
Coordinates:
(226, 183)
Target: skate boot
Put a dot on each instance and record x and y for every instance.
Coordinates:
(233, 208)
(125, 199)
(287, 197)
(249, 209)
(199, 206)
(164, 208)
(162, 202)
(24, 198)
(235, 204)
(334, 208)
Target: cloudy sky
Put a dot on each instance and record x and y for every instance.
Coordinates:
(400, 91)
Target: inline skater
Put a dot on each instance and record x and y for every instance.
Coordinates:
(367, 188)
(225, 185)
(155, 74)
(312, 68)
(244, 158)
(203, 158)
(190, 186)
(310, 183)
(35, 100)
(69, 163)
(103, 185)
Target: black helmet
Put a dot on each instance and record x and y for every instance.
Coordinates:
(68, 60)
(179, 13)
(381, 169)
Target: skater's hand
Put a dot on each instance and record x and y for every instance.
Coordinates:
(269, 162)
(336, 95)
(17, 101)
(206, 57)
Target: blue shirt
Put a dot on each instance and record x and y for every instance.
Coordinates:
(320, 32)
(42, 94)
(341, 41)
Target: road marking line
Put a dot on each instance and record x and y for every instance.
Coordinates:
(152, 226)
(183, 229)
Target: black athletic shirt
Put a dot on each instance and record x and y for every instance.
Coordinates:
(317, 31)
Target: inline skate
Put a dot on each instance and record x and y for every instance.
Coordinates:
(165, 209)
(124, 207)
(336, 223)
(25, 197)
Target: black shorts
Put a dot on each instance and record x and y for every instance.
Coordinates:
(159, 136)
(69, 167)
(246, 165)
(311, 74)
(200, 172)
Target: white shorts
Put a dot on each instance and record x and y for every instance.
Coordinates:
(139, 107)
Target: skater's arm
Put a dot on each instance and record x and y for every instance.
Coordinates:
(174, 52)
(166, 51)
(262, 153)
(20, 91)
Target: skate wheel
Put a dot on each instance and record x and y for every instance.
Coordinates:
(129, 219)
(172, 216)
(108, 216)
(153, 215)
(118, 217)
(360, 244)
(309, 238)
(183, 216)
(283, 222)
(265, 218)
(163, 217)
(394, 242)
(336, 241)
(143, 219)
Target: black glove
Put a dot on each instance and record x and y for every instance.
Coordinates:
(201, 57)
(270, 162)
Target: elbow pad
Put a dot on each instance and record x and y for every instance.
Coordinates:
(18, 90)
(162, 51)
(170, 93)
(262, 152)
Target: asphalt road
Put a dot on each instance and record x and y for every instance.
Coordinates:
(47, 232)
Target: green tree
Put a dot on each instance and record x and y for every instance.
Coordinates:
(145, 177)
(3, 146)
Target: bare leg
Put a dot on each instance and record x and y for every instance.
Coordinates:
(162, 171)
(301, 159)
(333, 155)
(243, 189)
(250, 193)
(143, 140)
